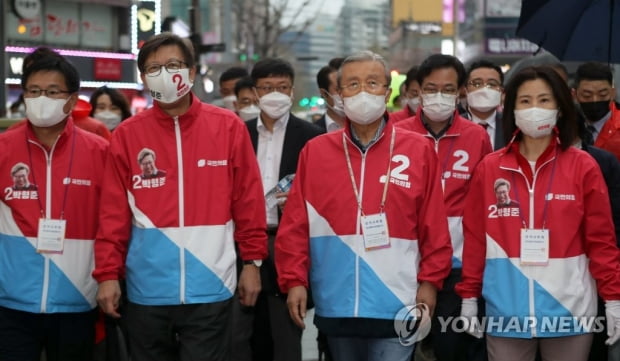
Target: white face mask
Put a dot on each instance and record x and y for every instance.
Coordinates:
(536, 122)
(438, 107)
(229, 102)
(364, 108)
(275, 104)
(338, 107)
(484, 100)
(45, 112)
(413, 104)
(168, 88)
(249, 112)
(109, 118)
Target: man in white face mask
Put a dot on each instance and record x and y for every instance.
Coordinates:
(203, 201)
(228, 79)
(326, 79)
(410, 97)
(484, 96)
(278, 137)
(246, 104)
(460, 145)
(359, 193)
(52, 178)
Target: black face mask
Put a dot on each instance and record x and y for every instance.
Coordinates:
(595, 111)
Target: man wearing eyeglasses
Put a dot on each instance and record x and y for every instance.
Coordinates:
(277, 136)
(365, 225)
(484, 95)
(52, 173)
(173, 237)
(460, 145)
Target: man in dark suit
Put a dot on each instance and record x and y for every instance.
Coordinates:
(326, 79)
(484, 93)
(278, 137)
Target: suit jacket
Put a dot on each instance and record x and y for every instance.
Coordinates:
(610, 167)
(499, 142)
(297, 133)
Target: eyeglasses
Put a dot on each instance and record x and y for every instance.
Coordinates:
(479, 83)
(355, 87)
(50, 93)
(447, 90)
(269, 89)
(245, 102)
(173, 66)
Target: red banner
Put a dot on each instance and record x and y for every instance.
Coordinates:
(107, 69)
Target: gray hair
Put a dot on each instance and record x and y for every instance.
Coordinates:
(144, 153)
(366, 55)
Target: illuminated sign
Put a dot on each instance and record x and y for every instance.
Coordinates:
(145, 22)
(116, 70)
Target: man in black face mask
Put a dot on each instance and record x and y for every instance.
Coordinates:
(595, 95)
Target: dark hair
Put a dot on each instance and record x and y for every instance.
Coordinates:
(272, 67)
(557, 66)
(336, 62)
(567, 115)
(44, 59)
(117, 98)
(243, 83)
(322, 77)
(482, 63)
(439, 61)
(593, 71)
(164, 39)
(37, 54)
(236, 72)
(412, 74)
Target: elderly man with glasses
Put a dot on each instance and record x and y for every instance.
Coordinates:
(364, 225)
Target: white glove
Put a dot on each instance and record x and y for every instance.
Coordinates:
(612, 313)
(469, 313)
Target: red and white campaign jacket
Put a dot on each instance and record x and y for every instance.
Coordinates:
(176, 225)
(565, 195)
(64, 182)
(320, 231)
(459, 150)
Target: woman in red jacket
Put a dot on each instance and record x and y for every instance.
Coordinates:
(538, 262)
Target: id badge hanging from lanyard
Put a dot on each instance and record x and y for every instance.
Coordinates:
(51, 235)
(374, 226)
(534, 242)
(51, 232)
(534, 247)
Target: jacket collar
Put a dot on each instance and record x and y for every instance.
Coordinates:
(454, 128)
(512, 159)
(63, 137)
(387, 129)
(184, 119)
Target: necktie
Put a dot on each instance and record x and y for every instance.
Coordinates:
(484, 125)
(589, 136)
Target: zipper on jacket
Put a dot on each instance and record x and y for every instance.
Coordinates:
(177, 133)
(531, 193)
(436, 142)
(48, 214)
(358, 228)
